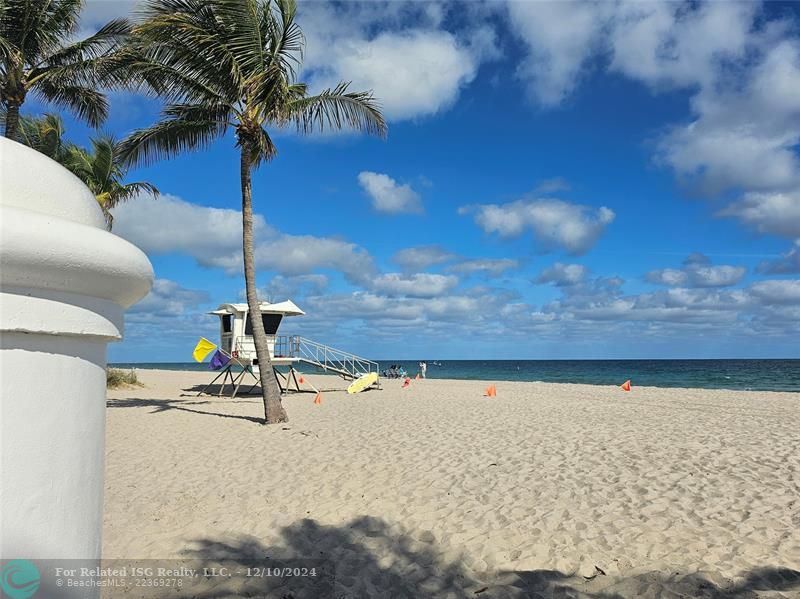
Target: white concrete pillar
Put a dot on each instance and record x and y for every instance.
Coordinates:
(64, 284)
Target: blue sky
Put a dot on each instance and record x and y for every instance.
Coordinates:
(560, 180)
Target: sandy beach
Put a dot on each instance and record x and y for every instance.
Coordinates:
(436, 491)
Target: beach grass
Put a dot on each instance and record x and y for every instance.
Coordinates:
(117, 378)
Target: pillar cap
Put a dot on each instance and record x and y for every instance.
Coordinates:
(54, 246)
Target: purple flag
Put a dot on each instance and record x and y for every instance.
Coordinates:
(218, 360)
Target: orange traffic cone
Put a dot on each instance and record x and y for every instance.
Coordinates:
(301, 380)
(406, 382)
(626, 386)
(491, 391)
(318, 399)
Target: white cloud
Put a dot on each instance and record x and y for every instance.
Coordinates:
(746, 118)
(438, 315)
(554, 223)
(416, 285)
(667, 276)
(765, 308)
(745, 130)
(716, 276)
(418, 258)
(212, 236)
(204, 232)
(493, 267)
(774, 213)
(675, 44)
(421, 257)
(412, 73)
(789, 263)
(662, 44)
(741, 64)
(563, 274)
(298, 254)
(387, 195)
(414, 70)
(168, 298)
(589, 309)
(280, 287)
(777, 291)
(698, 272)
(170, 314)
(560, 37)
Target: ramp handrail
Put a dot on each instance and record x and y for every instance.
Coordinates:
(323, 356)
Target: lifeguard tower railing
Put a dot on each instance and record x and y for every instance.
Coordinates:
(348, 366)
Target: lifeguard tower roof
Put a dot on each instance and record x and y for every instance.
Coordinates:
(287, 308)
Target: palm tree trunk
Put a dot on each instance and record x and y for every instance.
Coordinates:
(273, 409)
(12, 121)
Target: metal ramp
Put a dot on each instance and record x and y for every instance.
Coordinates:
(346, 365)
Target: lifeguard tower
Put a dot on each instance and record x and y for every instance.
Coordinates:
(236, 340)
(236, 330)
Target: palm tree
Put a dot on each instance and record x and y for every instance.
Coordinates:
(101, 168)
(232, 64)
(37, 57)
(103, 171)
(44, 134)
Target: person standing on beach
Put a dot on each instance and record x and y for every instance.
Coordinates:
(423, 368)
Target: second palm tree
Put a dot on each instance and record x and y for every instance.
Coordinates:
(224, 64)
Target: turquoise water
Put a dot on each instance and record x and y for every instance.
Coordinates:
(757, 375)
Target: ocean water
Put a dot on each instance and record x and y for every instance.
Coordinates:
(756, 375)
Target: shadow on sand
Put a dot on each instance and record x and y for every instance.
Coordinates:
(190, 397)
(247, 391)
(370, 560)
(163, 405)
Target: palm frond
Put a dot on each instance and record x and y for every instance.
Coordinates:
(186, 36)
(268, 91)
(87, 103)
(284, 38)
(122, 193)
(213, 112)
(7, 47)
(263, 149)
(79, 162)
(60, 16)
(37, 28)
(103, 165)
(142, 73)
(45, 134)
(168, 138)
(240, 21)
(227, 63)
(337, 109)
(50, 130)
(93, 72)
(100, 44)
(139, 187)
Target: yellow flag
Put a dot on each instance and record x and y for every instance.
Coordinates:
(204, 347)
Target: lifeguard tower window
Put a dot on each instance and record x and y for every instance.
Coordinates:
(227, 323)
(271, 324)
